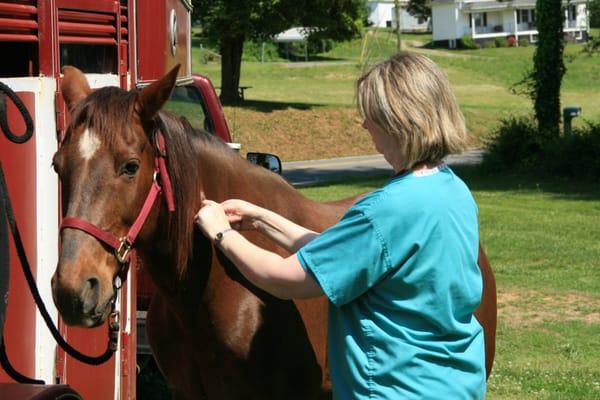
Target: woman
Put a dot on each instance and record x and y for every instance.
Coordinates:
(400, 268)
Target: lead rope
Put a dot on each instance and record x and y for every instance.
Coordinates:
(7, 91)
(7, 217)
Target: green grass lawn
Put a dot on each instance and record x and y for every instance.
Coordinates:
(481, 79)
(541, 238)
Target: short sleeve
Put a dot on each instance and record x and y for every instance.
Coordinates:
(348, 258)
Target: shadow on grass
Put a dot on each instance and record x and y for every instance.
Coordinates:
(296, 58)
(561, 187)
(270, 106)
(480, 180)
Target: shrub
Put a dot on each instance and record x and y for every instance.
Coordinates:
(516, 145)
(253, 51)
(523, 42)
(576, 155)
(592, 46)
(511, 41)
(467, 42)
(501, 42)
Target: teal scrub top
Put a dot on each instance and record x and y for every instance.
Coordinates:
(400, 271)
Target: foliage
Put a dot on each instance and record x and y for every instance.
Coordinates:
(257, 51)
(592, 46)
(523, 42)
(231, 22)
(517, 146)
(501, 42)
(549, 68)
(576, 155)
(467, 42)
(594, 9)
(419, 8)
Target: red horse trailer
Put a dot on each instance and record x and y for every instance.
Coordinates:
(124, 43)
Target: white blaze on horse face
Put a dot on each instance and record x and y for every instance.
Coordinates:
(89, 143)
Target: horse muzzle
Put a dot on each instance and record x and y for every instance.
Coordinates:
(86, 302)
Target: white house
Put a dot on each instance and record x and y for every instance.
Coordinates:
(382, 14)
(488, 19)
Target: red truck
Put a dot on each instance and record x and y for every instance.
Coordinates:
(126, 43)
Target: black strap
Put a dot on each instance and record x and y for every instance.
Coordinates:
(4, 264)
(25, 136)
(4, 276)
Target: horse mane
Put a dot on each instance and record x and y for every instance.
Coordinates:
(186, 146)
(186, 181)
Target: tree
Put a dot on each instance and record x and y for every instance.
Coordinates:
(594, 9)
(231, 22)
(548, 68)
(419, 9)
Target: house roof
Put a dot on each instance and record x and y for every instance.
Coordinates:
(493, 5)
(299, 34)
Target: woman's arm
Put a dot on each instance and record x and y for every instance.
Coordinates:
(282, 277)
(287, 234)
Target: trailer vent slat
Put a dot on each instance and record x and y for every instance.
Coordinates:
(86, 27)
(18, 21)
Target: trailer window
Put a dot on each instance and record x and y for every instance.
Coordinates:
(92, 59)
(186, 101)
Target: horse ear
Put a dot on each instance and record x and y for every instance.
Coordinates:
(74, 86)
(153, 97)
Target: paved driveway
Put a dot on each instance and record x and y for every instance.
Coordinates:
(306, 173)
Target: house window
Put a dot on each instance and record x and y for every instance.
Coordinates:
(572, 12)
(526, 17)
(479, 18)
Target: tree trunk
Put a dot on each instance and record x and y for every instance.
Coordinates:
(549, 67)
(231, 63)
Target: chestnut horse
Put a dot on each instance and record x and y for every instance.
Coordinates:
(212, 333)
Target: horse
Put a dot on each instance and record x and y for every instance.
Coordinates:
(213, 334)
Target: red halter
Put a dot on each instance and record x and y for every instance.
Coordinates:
(123, 246)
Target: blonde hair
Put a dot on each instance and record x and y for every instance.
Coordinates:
(410, 99)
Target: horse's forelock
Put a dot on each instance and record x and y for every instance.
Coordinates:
(108, 111)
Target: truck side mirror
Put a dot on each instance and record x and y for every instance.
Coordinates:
(266, 160)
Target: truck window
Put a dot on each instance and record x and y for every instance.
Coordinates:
(186, 101)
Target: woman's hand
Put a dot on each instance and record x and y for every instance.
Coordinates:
(241, 214)
(212, 219)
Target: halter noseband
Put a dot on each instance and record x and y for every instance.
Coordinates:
(123, 246)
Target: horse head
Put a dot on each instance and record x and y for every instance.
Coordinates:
(106, 165)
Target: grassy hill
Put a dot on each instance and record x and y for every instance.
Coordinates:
(306, 110)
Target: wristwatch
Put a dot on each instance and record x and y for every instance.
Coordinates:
(219, 236)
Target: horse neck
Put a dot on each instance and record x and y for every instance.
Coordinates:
(233, 177)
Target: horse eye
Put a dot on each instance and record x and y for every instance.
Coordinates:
(130, 168)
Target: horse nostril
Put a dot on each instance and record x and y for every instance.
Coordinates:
(90, 295)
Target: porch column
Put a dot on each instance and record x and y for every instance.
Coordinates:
(472, 25)
(566, 23)
(516, 28)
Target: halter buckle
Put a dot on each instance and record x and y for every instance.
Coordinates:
(123, 251)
